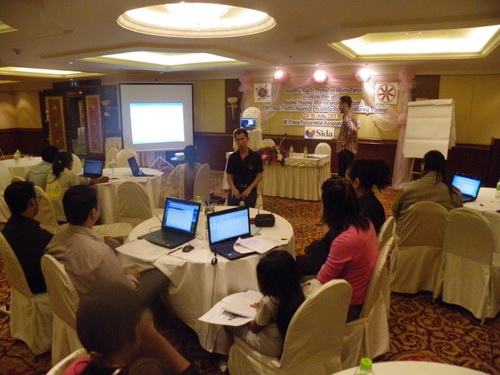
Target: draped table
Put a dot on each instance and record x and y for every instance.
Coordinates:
(415, 368)
(22, 166)
(299, 178)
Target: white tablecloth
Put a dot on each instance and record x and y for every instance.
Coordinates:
(300, 178)
(196, 285)
(22, 166)
(415, 368)
(108, 197)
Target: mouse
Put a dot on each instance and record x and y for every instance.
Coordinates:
(187, 248)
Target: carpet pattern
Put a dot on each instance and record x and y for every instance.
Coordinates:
(420, 329)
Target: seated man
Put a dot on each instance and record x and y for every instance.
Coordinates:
(244, 172)
(38, 173)
(24, 234)
(88, 260)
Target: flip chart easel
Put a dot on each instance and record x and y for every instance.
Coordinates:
(430, 126)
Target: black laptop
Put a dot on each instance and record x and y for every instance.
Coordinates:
(178, 226)
(92, 168)
(468, 186)
(136, 171)
(224, 229)
(248, 123)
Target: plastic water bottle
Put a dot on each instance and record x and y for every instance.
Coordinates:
(291, 150)
(365, 367)
(112, 165)
(497, 192)
(305, 152)
(17, 155)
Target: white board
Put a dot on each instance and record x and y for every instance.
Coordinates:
(430, 126)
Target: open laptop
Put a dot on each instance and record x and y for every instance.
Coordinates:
(178, 226)
(224, 229)
(248, 123)
(92, 168)
(136, 171)
(469, 186)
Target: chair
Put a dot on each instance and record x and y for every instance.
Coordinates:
(470, 273)
(123, 156)
(368, 336)
(5, 177)
(134, 203)
(77, 164)
(4, 210)
(323, 148)
(416, 259)
(313, 342)
(386, 231)
(112, 154)
(65, 300)
(63, 364)
(30, 314)
(268, 142)
(46, 214)
(18, 179)
(202, 183)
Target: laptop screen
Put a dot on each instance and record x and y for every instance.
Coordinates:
(228, 224)
(248, 123)
(466, 184)
(93, 167)
(133, 165)
(181, 215)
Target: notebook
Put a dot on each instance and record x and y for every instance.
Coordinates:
(92, 168)
(132, 162)
(469, 186)
(178, 226)
(224, 229)
(248, 123)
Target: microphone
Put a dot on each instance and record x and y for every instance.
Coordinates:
(282, 139)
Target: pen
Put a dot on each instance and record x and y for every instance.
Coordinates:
(173, 251)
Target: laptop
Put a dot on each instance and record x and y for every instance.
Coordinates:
(248, 123)
(469, 186)
(224, 229)
(92, 168)
(136, 171)
(178, 226)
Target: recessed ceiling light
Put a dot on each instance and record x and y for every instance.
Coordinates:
(196, 20)
(32, 72)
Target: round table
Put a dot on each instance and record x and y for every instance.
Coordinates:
(196, 284)
(415, 368)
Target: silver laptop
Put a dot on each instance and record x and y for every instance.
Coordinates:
(92, 168)
(468, 186)
(224, 229)
(178, 226)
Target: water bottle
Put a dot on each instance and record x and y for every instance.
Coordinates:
(305, 152)
(17, 155)
(112, 165)
(365, 367)
(497, 192)
(291, 150)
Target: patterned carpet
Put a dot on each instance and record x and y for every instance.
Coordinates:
(421, 330)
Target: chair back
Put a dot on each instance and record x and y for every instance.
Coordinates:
(5, 177)
(77, 164)
(423, 225)
(317, 327)
(46, 214)
(64, 363)
(62, 291)
(4, 210)
(112, 154)
(386, 231)
(202, 183)
(252, 112)
(123, 156)
(13, 269)
(134, 203)
(323, 148)
(268, 142)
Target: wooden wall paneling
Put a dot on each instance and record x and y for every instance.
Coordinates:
(55, 118)
(212, 148)
(94, 126)
(231, 89)
(473, 160)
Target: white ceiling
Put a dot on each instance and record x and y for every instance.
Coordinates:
(56, 34)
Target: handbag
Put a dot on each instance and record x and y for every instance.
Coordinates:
(264, 220)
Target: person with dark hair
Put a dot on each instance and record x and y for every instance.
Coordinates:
(432, 186)
(244, 172)
(116, 331)
(347, 141)
(180, 182)
(23, 232)
(354, 250)
(279, 281)
(89, 260)
(364, 174)
(38, 173)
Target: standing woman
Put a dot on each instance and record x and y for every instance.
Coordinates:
(60, 180)
(354, 251)
(364, 174)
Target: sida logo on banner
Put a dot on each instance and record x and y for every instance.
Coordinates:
(318, 132)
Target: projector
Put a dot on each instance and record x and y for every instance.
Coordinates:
(179, 155)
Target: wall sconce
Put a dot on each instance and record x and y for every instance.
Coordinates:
(280, 76)
(232, 100)
(106, 105)
(320, 76)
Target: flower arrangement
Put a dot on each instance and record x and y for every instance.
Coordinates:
(273, 154)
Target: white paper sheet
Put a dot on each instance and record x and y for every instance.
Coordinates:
(143, 249)
(259, 244)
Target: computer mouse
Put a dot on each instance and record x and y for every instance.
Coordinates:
(187, 248)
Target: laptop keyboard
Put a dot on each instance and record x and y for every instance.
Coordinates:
(225, 248)
(171, 237)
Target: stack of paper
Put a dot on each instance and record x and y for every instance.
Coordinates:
(257, 244)
(234, 310)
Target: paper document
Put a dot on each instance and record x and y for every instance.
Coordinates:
(259, 244)
(143, 249)
(234, 310)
